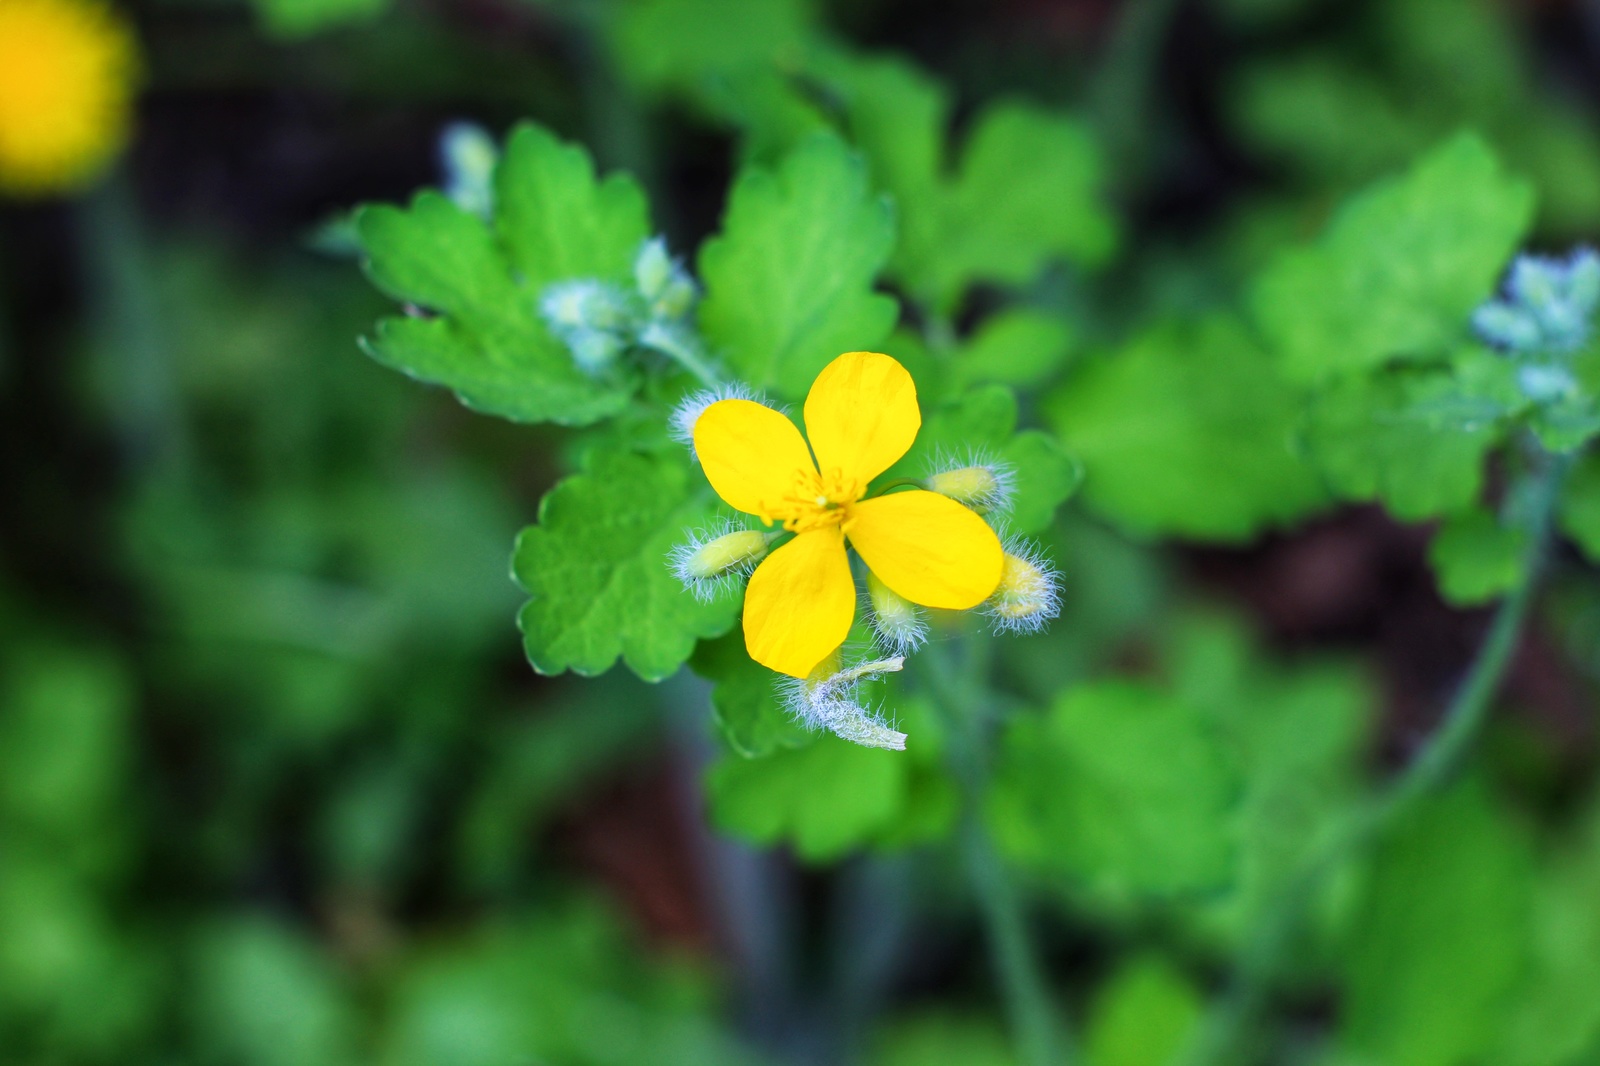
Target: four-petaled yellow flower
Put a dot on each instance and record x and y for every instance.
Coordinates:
(861, 416)
(67, 69)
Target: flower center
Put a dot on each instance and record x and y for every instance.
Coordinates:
(815, 502)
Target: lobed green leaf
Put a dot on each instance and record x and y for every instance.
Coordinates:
(476, 285)
(1400, 268)
(595, 568)
(1188, 430)
(789, 280)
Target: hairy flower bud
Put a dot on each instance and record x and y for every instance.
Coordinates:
(469, 155)
(984, 487)
(585, 304)
(1029, 592)
(1549, 306)
(899, 623)
(712, 559)
(663, 282)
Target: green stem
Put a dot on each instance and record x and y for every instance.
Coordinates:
(898, 483)
(1262, 958)
(963, 704)
(688, 358)
(1124, 83)
(131, 342)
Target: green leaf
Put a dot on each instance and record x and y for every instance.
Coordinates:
(1026, 190)
(483, 337)
(1018, 347)
(1554, 1014)
(1300, 733)
(789, 280)
(564, 984)
(556, 221)
(595, 568)
(1120, 788)
(826, 799)
(293, 19)
(749, 712)
(63, 740)
(983, 424)
(1403, 437)
(1579, 508)
(1399, 269)
(942, 1039)
(1476, 558)
(1188, 431)
(692, 44)
(264, 995)
(1143, 1016)
(1439, 936)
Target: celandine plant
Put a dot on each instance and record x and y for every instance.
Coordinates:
(923, 543)
(537, 292)
(796, 561)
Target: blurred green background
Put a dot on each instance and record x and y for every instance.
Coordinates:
(277, 787)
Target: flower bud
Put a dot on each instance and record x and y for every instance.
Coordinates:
(712, 559)
(662, 281)
(592, 350)
(585, 304)
(899, 623)
(1028, 595)
(1549, 306)
(469, 156)
(984, 487)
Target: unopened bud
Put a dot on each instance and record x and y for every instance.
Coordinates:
(469, 156)
(593, 350)
(1028, 595)
(711, 560)
(984, 487)
(1549, 306)
(662, 281)
(585, 304)
(727, 553)
(899, 623)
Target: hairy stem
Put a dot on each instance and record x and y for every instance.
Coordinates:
(1221, 1042)
(959, 694)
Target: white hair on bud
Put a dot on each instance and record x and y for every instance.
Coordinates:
(682, 560)
(680, 423)
(900, 625)
(994, 497)
(1029, 595)
(834, 703)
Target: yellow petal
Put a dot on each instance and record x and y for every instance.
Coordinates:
(861, 415)
(800, 603)
(751, 454)
(928, 548)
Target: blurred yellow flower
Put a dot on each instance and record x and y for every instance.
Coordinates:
(861, 416)
(67, 71)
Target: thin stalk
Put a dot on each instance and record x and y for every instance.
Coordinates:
(131, 341)
(1125, 82)
(1262, 958)
(685, 356)
(959, 695)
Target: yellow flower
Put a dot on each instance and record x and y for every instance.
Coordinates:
(67, 69)
(861, 416)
